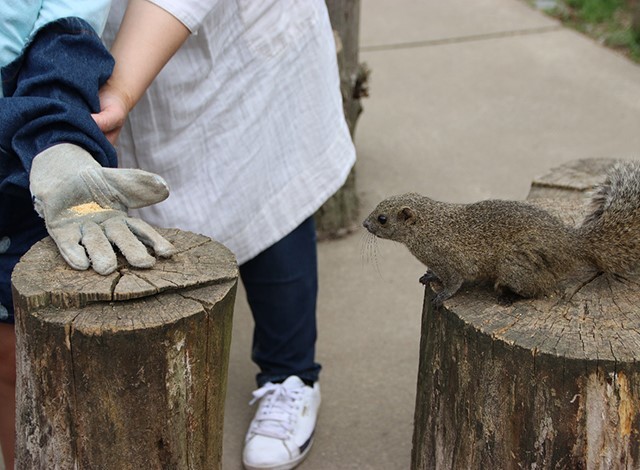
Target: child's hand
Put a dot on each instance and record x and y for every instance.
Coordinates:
(114, 108)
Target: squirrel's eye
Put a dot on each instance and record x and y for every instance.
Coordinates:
(382, 219)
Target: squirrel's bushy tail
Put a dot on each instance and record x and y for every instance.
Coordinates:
(612, 229)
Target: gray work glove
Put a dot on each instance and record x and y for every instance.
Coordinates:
(84, 207)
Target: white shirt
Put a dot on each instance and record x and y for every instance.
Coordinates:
(245, 122)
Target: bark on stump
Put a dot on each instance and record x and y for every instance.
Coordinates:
(552, 383)
(339, 215)
(126, 371)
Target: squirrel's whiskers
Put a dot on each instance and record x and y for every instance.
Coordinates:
(369, 251)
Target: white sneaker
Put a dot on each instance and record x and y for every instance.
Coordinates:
(281, 433)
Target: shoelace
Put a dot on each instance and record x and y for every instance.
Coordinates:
(275, 417)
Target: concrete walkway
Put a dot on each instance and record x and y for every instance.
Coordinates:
(469, 100)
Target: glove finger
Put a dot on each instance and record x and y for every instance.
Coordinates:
(135, 188)
(149, 236)
(100, 251)
(67, 239)
(118, 232)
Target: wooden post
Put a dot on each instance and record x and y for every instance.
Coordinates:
(552, 383)
(126, 371)
(345, 21)
(339, 215)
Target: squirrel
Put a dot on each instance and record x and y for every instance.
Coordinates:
(520, 248)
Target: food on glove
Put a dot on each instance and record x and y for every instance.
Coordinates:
(87, 208)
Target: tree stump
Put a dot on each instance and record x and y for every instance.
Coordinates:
(552, 383)
(340, 214)
(126, 371)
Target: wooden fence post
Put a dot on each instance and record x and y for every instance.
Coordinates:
(552, 383)
(340, 214)
(126, 371)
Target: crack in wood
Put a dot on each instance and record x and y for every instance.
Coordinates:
(571, 293)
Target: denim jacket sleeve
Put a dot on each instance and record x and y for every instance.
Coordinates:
(50, 92)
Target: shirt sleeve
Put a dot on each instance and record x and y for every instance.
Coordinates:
(21, 19)
(94, 12)
(18, 18)
(191, 13)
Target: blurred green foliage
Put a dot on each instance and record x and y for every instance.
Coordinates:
(614, 23)
(595, 11)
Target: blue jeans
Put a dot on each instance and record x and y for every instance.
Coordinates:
(282, 288)
(49, 92)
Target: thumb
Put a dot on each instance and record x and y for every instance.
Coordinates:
(102, 121)
(110, 123)
(136, 188)
(108, 119)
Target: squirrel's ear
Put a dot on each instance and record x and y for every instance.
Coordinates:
(407, 215)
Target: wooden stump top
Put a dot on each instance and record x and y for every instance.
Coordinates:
(599, 322)
(571, 180)
(43, 280)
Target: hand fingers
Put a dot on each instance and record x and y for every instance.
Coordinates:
(118, 232)
(75, 242)
(67, 239)
(148, 235)
(90, 244)
(113, 111)
(100, 251)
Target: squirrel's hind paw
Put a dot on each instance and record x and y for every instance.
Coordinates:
(439, 299)
(506, 297)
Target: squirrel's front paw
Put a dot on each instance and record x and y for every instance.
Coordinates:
(428, 277)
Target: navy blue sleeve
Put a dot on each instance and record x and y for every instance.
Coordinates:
(50, 92)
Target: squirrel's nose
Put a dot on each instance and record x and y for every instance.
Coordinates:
(369, 225)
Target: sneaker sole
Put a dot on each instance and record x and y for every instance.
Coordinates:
(282, 466)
